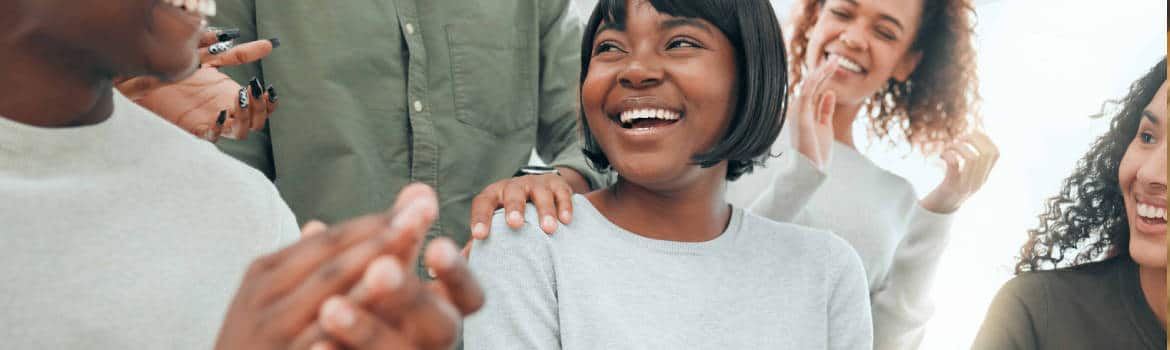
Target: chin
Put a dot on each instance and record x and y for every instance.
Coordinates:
(1146, 252)
(174, 69)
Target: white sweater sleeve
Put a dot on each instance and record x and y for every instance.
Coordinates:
(901, 305)
(519, 284)
(792, 185)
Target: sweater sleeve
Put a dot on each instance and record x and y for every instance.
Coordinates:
(901, 304)
(516, 271)
(792, 185)
(850, 322)
(1010, 323)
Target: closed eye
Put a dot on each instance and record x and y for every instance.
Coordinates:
(682, 43)
(605, 47)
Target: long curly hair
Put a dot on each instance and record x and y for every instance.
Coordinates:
(1086, 221)
(937, 102)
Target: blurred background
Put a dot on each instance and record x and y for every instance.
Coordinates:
(1045, 66)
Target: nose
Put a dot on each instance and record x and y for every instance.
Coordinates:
(640, 73)
(1152, 175)
(853, 37)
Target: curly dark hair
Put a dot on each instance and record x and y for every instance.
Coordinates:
(937, 102)
(1086, 221)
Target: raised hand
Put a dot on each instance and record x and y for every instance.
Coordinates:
(811, 114)
(969, 162)
(208, 103)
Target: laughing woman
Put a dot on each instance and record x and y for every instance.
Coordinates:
(907, 69)
(660, 260)
(1093, 275)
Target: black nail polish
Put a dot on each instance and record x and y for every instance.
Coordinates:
(275, 42)
(256, 88)
(222, 118)
(244, 98)
(219, 47)
(271, 93)
(228, 34)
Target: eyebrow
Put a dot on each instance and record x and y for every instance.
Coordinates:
(684, 22)
(1150, 116)
(886, 17)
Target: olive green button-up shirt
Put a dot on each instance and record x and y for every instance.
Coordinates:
(376, 94)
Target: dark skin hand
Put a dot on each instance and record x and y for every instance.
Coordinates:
(551, 194)
(346, 287)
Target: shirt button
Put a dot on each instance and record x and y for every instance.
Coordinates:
(418, 107)
(409, 28)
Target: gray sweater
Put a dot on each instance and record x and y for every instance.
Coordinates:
(593, 285)
(127, 234)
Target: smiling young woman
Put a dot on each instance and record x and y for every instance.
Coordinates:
(677, 97)
(1093, 274)
(906, 68)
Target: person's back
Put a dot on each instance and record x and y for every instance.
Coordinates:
(126, 234)
(592, 284)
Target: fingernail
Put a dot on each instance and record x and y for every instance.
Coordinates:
(271, 93)
(244, 98)
(319, 346)
(515, 217)
(479, 230)
(548, 222)
(337, 313)
(209, 134)
(256, 88)
(567, 216)
(388, 272)
(228, 34)
(446, 253)
(222, 117)
(431, 273)
(275, 42)
(219, 47)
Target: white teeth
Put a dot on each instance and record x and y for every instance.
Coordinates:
(632, 115)
(846, 63)
(1151, 212)
(205, 8)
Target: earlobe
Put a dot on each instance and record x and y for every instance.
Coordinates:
(907, 65)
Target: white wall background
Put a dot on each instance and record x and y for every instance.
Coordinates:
(1044, 67)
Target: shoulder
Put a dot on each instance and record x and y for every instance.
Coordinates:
(1068, 282)
(528, 240)
(802, 243)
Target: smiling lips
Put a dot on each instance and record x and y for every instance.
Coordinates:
(1152, 214)
(846, 63)
(648, 117)
(205, 8)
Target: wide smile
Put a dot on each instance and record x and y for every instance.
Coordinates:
(191, 12)
(1150, 217)
(846, 63)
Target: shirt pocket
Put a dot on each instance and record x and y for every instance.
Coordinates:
(494, 79)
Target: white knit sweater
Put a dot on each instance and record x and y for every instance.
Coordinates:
(876, 211)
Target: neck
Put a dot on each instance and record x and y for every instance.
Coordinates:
(1153, 282)
(697, 213)
(51, 87)
(843, 117)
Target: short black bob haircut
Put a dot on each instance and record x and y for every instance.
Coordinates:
(761, 65)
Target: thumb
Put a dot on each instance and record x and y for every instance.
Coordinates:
(952, 159)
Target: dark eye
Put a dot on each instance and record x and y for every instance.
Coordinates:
(682, 43)
(605, 47)
(886, 34)
(1146, 137)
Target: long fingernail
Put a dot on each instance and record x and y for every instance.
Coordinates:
(337, 313)
(515, 217)
(256, 88)
(222, 118)
(219, 47)
(271, 93)
(275, 42)
(228, 34)
(244, 98)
